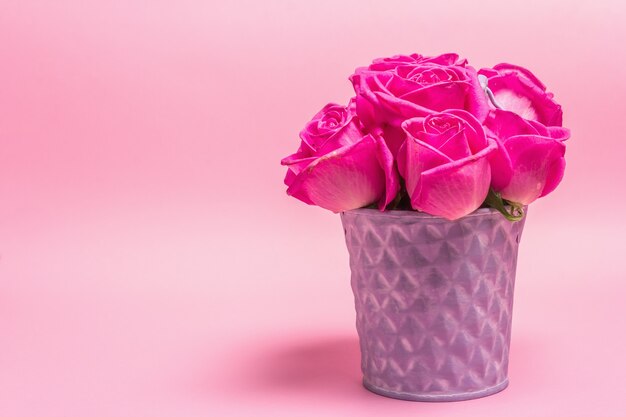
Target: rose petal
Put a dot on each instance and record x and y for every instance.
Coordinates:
(294, 168)
(347, 135)
(536, 167)
(297, 164)
(416, 157)
(394, 138)
(346, 179)
(501, 167)
(312, 133)
(476, 101)
(456, 189)
(504, 124)
(438, 97)
(386, 64)
(504, 68)
(451, 143)
(559, 133)
(554, 177)
(477, 138)
(521, 96)
(392, 182)
(376, 105)
(488, 72)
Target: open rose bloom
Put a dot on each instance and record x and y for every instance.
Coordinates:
(432, 134)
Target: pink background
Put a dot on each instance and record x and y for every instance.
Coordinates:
(152, 265)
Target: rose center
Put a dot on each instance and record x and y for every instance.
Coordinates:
(426, 77)
(442, 124)
(330, 121)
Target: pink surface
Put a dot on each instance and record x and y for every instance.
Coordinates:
(152, 265)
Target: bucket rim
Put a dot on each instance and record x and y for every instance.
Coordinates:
(418, 215)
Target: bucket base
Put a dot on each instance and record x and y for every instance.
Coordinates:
(461, 396)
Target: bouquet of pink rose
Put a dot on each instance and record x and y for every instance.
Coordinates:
(434, 135)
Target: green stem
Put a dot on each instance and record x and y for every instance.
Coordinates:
(512, 211)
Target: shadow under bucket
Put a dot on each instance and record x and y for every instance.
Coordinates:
(433, 301)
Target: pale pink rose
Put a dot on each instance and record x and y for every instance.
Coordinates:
(518, 90)
(444, 162)
(408, 89)
(529, 162)
(338, 166)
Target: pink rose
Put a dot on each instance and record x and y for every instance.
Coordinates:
(414, 89)
(529, 162)
(517, 89)
(325, 125)
(337, 166)
(385, 64)
(444, 162)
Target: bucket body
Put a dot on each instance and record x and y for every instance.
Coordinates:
(433, 301)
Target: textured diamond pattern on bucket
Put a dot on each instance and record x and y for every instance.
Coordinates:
(433, 301)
